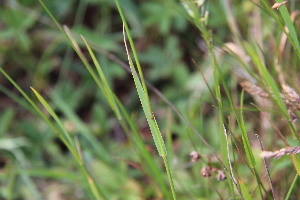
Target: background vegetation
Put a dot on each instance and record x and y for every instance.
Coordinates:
(81, 133)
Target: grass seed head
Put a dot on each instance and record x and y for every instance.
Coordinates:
(280, 153)
(195, 156)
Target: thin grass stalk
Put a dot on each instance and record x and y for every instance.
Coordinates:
(83, 59)
(111, 98)
(166, 163)
(223, 138)
(67, 58)
(107, 89)
(207, 39)
(228, 155)
(246, 142)
(56, 22)
(267, 168)
(245, 138)
(169, 142)
(288, 195)
(252, 170)
(247, 145)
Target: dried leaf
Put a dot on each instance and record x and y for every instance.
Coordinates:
(278, 5)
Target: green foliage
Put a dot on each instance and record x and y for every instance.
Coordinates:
(87, 130)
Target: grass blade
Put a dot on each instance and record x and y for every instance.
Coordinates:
(245, 138)
(287, 20)
(144, 98)
(107, 91)
(151, 120)
(292, 187)
(270, 84)
(98, 194)
(82, 128)
(53, 114)
(62, 135)
(244, 190)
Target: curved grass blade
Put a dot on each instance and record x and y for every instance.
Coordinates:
(107, 90)
(35, 107)
(287, 20)
(68, 142)
(98, 194)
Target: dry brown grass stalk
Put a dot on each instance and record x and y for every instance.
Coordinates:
(280, 153)
(254, 89)
(289, 96)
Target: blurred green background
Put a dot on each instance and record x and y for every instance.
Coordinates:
(35, 164)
